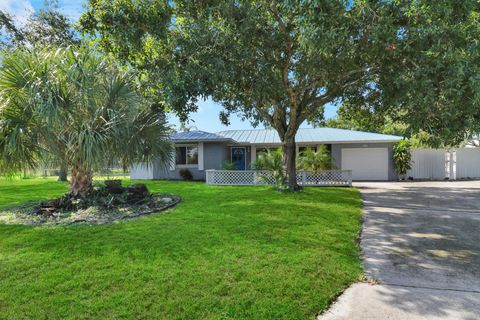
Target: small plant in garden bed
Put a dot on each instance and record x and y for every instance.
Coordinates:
(272, 161)
(186, 174)
(105, 204)
(228, 165)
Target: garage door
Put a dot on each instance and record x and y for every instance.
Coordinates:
(366, 163)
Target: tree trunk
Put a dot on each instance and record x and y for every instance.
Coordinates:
(289, 160)
(62, 175)
(81, 181)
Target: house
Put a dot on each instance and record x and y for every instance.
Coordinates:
(368, 155)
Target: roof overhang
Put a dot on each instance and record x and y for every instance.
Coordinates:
(226, 140)
(318, 142)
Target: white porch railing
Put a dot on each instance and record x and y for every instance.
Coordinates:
(253, 177)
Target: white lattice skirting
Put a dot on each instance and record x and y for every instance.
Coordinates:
(253, 177)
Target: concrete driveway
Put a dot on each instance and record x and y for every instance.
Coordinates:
(421, 250)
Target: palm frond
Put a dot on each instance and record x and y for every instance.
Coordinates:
(75, 105)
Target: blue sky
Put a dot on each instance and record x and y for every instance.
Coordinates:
(207, 116)
(207, 119)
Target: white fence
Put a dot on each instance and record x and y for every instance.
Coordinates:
(439, 164)
(253, 177)
(467, 163)
(430, 164)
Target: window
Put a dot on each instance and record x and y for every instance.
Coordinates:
(186, 155)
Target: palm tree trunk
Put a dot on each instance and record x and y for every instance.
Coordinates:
(81, 182)
(289, 154)
(62, 175)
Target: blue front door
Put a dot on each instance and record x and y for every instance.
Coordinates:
(238, 158)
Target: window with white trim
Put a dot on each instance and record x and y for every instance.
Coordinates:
(186, 155)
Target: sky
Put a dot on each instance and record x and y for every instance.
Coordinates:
(207, 117)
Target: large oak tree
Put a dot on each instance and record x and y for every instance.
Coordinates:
(279, 63)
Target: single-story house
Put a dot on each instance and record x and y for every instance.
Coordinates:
(368, 155)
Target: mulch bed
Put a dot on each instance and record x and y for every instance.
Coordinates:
(27, 214)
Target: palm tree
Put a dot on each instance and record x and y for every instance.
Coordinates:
(310, 159)
(76, 106)
(272, 161)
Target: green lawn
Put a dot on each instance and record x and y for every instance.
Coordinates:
(223, 253)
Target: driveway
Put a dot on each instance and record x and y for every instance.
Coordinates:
(421, 252)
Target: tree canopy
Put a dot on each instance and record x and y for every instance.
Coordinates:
(364, 119)
(46, 26)
(256, 58)
(428, 76)
(279, 62)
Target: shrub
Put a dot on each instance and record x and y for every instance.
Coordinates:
(315, 160)
(228, 165)
(402, 158)
(186, 174)
(272, 161)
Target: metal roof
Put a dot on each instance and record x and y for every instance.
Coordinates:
(308, 135)
(196, 136)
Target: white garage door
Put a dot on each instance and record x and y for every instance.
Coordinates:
(366, 163)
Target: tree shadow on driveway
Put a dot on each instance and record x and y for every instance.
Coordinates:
(423, 243)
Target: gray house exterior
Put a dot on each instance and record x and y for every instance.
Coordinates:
(368, 155)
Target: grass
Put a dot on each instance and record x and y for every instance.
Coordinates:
(223, 253)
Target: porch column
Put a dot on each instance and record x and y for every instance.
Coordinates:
(253, 154)
(173, 159)
(200, 156)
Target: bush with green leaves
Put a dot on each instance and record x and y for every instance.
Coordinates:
(312, 160)
(272, 161)
(402, 157)
(186, 174)
(228, 165)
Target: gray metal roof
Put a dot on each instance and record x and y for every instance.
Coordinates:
(313, 135)
(197, 136)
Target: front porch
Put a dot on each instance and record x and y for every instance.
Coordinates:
(243, 156)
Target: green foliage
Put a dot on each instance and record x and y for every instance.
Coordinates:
(264, 60)
(427, 74)
(424, 140)
(252, 57)
(272, 161)
(279, 62)
(228, 165)
(47, 26)
(222, 253)
(186, 174)
(77, 105)
(366, 118)
(315, 160)
(402, 157)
